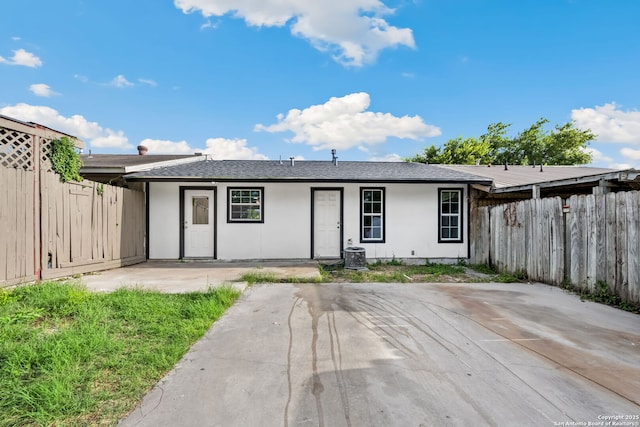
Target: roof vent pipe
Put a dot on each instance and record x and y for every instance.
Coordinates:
(334, 158)
(293, 161)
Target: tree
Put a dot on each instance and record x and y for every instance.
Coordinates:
(564, 145)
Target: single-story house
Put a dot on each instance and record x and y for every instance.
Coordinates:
(263, 209)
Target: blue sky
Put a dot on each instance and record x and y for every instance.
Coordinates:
(374, 79)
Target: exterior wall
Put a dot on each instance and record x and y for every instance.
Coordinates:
(164, 220)
(411, 222)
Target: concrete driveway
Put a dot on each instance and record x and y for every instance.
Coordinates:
(179, 277)
(405, 355)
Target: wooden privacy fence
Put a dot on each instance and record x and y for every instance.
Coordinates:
(52, 229)
(584, 240)
(89, 226)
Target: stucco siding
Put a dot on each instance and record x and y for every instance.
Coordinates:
(164, 217)
(411, 222)
(285, 232)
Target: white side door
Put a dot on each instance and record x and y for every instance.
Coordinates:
(326, 224)
(198, 223)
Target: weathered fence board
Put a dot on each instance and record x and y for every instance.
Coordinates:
(598, 241)
(17, 254)
(633, 249)
(621, 243)
(87, 222)
(611, 240)
(53, 229)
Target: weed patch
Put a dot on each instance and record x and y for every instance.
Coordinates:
(253, 277)
(483, 268)
(602, 294)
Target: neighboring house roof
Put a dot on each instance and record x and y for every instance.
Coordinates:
(306, 171)
(128, 163)
(522, 178)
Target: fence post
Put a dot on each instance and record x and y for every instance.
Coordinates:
(566, 214)
(37, 209)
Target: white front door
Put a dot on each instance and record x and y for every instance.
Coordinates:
(326, 224)
(198, 223)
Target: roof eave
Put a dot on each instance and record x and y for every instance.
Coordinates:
(564, 182)
(151, 178)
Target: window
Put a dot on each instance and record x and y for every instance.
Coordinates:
(372, 215)
(450, 215)
(245, 205)
(200, 210)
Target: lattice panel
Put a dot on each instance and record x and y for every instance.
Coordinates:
(16, 149)
(45, 147)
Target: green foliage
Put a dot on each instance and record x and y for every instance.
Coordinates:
(64, 159)
(396, 276)
(253, 277)
(435, 269)
(380, 264)
(74, 358)
(483, 268)
(564, 145)
(510, 277)
(602, 294)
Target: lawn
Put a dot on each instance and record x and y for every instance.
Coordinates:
(75, 358)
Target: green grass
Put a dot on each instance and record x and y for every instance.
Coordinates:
(393, 271)
(75, 358)
(510, 277)
(253, 277)
(603, 294)
(483, 268)
(436, 269)
(358, 276)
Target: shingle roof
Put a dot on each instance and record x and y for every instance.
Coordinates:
(304, 170)
(517, 176)
(124, 160)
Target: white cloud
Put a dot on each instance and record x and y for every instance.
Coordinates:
(83, 79)
(24, 58)
(218, 148)
(601, 160)
(163, 146)
(148, 82)
(209, 24)
(393, 157)
(41, 89)
(232, 149)
(610, 123)
(353, 30)
(120, 81)
(75, 125)
(630, 153)
(597, 156)
(343, 123)
(111, 139)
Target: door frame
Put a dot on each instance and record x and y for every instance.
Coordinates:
(215, 217)
(313, 193)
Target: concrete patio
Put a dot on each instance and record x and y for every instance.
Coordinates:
(179, 277)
